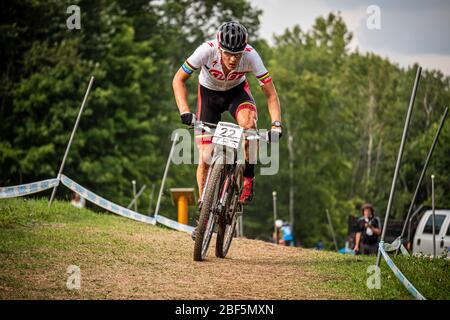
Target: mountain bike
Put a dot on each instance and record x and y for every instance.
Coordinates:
(223, 186)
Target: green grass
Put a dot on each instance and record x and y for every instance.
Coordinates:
(349, 274)
(32, 235)
(23, 222)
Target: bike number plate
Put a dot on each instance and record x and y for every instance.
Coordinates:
(228, 134)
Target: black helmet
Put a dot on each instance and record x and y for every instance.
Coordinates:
(232, 36)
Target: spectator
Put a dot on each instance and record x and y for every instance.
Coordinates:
(319, 245)
(78, 201)
(368, 231)
(288, 235)
(278, 236)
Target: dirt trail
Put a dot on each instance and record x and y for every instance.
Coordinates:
(159, 265)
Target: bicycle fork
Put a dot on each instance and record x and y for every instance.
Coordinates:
(224, 194)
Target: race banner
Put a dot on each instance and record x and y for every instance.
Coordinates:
(105, 204)
(174, 225)
(400, 276)
(26, 189)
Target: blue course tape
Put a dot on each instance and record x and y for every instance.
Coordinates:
(105, 204)
(24, 189)
(174, 225)
(394, 246)
(399, 274)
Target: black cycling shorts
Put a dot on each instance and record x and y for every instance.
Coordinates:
(211, 104)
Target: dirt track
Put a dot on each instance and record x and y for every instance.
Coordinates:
(117, 263)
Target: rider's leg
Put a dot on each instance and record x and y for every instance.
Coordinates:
(209, 110)
(243, 109)
(205, 152)
(202, 171)
(247, 118)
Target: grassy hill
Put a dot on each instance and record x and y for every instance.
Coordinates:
(123, 259)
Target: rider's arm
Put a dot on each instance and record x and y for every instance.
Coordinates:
(180, 91)
(265, 81)
(194, 62)
(273, 102)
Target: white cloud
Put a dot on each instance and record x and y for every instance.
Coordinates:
(412, 31)
(281, 14)
(426, 61)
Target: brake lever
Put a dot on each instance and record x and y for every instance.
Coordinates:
(202, 127)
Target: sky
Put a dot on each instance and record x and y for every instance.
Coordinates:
(406, 32)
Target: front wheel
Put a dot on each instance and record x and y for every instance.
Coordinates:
(208, 216)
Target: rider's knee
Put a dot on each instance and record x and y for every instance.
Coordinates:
(247, 118)
(204, 155)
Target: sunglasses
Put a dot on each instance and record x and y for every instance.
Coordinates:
(229, 53)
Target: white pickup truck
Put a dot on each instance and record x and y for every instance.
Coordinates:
(423, 238)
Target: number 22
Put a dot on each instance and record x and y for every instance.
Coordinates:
(230, 134)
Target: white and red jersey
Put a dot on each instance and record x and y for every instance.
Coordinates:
(207, 57)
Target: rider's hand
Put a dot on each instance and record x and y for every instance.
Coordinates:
(187, 118)
(274, 134)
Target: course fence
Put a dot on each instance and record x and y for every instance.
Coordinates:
(26, 189)
(30, 188)
(105, 204)
(399, 274)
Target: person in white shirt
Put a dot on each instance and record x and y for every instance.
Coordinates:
(223, 64)
(78, 201)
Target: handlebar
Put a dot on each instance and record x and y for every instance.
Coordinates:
(249, 134)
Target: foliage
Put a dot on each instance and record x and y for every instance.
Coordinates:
(343, 111)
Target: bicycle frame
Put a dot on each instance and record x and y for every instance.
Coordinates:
(230, 156)
(220, 201)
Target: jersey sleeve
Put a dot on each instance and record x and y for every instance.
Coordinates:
(197, 59)
(258, 68)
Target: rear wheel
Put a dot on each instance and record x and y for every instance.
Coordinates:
(208, 217)
(225, 234)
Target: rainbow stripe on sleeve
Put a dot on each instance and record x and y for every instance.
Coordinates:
(264, 78)
(188, 68)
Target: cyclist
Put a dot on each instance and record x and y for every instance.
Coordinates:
(224, 61)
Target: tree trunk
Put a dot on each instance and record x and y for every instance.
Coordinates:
(427, 108)
(370, 133)
(377, 161)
